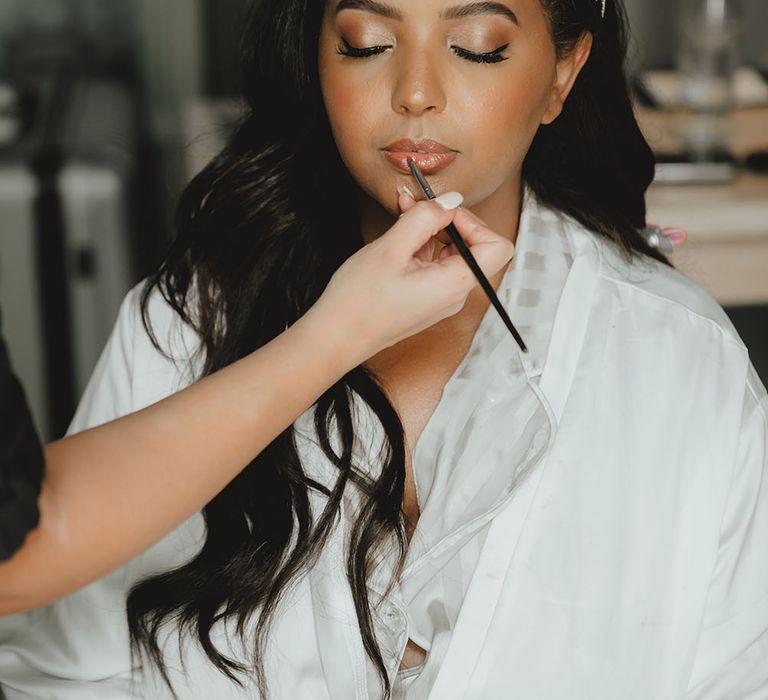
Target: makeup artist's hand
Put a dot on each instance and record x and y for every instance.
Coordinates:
(396, 286)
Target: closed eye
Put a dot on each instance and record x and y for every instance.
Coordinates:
(490, 57)
(495, 56)
(346, 49)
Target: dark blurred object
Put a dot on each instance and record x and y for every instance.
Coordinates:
(757, 162)
(65, 243)
(751, 322)
(21, 463)
(10, 114)
(225, 23)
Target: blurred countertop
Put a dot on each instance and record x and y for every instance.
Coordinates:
(727, 248)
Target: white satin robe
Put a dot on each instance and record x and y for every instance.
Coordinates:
(626, 558)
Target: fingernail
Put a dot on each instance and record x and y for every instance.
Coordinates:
(404, 189)
(450, 200)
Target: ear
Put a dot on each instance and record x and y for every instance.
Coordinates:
(566, 72)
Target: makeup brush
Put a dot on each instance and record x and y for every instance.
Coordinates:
(469, 258)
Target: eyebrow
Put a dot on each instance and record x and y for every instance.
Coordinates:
(472, 9)
(479, 8)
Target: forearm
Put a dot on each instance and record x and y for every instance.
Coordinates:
(111, 492)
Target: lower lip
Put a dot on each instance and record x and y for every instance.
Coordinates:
(428, 163)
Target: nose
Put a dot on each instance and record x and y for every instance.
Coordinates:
(418, 85)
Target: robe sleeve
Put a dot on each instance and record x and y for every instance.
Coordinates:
(732, 654)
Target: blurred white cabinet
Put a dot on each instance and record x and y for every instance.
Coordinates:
(80, 229)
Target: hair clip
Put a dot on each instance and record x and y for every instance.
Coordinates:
(602, 7)
(664, 239)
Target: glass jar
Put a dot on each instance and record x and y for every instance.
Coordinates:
(708, 55)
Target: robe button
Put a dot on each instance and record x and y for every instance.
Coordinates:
(395, 618)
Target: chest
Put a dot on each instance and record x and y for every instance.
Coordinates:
(415, 400)
(413, 377)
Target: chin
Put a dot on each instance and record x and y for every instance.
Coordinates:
(391, 206)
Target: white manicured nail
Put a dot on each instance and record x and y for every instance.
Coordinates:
(450, 200)
(404, 189)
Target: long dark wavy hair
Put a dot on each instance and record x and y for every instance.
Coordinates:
(257, 243)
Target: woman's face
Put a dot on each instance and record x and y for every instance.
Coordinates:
(477, 78)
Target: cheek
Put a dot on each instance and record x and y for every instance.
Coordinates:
(351, 105)
(506, 114)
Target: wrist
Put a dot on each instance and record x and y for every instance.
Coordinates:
(331, 339)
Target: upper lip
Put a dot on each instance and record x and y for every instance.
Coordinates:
(426, 146)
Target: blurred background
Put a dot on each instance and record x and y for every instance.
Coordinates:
(108, 107)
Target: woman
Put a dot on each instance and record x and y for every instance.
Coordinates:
(452, 519)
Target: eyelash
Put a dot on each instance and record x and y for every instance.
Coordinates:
(491, 57)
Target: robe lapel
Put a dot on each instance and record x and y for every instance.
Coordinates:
(568, 334)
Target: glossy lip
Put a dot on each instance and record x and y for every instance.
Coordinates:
(429, 155)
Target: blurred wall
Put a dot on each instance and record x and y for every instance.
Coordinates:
(107, 28)
(171, 49)
(654, 32)
(161, 42)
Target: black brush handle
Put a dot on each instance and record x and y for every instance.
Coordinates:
(484, 283)
(458, 241)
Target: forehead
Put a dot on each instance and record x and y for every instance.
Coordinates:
(445, 9)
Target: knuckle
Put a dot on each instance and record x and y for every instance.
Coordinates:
(389, 254)
(427, 214)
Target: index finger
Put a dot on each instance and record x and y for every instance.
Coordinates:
(473, 230)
